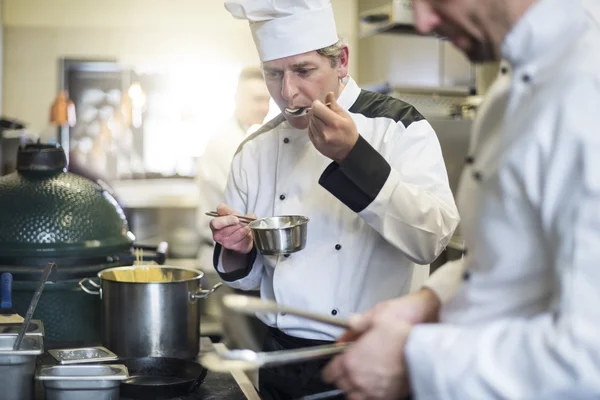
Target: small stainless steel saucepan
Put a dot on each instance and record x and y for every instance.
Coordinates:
(276, 236)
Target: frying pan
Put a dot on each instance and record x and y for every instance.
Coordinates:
(161, 377)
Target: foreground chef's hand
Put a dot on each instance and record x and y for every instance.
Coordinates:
(331, 129)
(374, 367)
(229, 232)
(415, 308)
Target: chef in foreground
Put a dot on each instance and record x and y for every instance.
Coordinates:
(519, 318)
(367, 170)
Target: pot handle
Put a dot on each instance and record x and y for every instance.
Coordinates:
(201, 294)
(91, 282)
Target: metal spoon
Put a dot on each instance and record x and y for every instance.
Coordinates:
(300, 112)
(241, 218)
(251, 305)
(248, 360)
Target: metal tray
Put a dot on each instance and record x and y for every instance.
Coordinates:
(35, 328)
(109, 372)
(83, 355)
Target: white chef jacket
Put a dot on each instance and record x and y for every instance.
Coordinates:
(212, 172)
(385, 208)
(523, 322)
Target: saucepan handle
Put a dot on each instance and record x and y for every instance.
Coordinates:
(92, 283)
(201, 294)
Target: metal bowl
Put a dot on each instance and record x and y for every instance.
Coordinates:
(275, 236)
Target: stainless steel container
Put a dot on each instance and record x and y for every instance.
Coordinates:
(82, 382)
(150, 311)
(279, 235)
(17, 367)
(35, 328)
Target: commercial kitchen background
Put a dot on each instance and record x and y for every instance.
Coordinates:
(184, 55)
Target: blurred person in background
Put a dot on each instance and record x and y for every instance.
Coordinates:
(251, 107)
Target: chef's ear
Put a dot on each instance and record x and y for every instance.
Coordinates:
(343, 62)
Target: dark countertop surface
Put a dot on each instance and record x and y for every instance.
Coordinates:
(215, 387)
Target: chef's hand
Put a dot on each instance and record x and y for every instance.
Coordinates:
(374, 367)
(415, 308)
(229, 232)
(331, 129)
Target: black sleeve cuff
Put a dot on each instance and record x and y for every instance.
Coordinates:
(359, 179)
(237, 274)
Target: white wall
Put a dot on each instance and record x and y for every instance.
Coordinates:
(37, 33)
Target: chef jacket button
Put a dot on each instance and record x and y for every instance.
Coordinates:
(282, 197)
(286, 255)
(334, 311)
(469, 160)
(286, 140)
(466, 276)
(526, 78)
(338, 246)
(477, 176)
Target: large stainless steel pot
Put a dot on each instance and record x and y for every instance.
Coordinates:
(150, 311)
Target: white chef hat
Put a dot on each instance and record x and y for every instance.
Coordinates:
(283, 28)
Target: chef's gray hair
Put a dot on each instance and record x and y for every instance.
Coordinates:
(333, 52)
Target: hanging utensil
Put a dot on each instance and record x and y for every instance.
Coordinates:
(248, 360)
(251, 305)
(33, 304)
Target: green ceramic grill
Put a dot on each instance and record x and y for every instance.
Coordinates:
(49, 214)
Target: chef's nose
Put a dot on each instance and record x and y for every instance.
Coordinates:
(426, 19)
(289, 89)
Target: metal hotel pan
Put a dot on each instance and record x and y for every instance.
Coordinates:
(17, 367)
(82, 382)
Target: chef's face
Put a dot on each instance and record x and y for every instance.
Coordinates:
(477, 27)
(296, 81)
